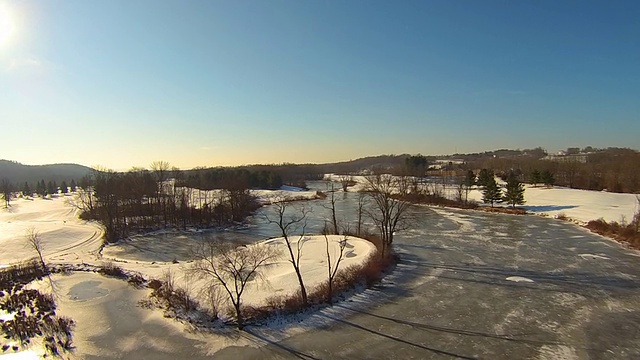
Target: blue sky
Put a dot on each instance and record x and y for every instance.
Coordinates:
(205, 83)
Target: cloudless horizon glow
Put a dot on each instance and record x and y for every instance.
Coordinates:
(208, 83)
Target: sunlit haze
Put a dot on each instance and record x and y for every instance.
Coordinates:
(206, 83)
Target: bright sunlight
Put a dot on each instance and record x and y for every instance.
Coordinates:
(6, 25)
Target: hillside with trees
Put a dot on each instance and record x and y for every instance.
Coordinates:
(17, 173)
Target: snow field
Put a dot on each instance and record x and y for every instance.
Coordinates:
(581, 206)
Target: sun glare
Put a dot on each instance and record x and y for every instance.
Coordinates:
(6, 25)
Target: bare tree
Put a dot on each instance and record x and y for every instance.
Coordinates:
(215, 298)
(333, 268)
(34, 242)
(459, 189)
(160, 170)
(83, 200)
(388, 209)
(222, 264)
(636, 216)
(362, 203)
(346, 181)
(332, 207)
(288, 223)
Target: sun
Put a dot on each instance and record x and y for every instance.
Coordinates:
(7, 26)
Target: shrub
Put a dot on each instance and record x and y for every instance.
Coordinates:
(620, 232)
(172, 296)
(18, 275)
(252, 313)
(287, 304)
(216, 299)
(111, 269)
(154, 284)
(182, 299)
(320, 293)
(136, 280)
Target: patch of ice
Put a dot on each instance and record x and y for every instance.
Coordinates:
(291, 188)
(519, 279)
(557, 352)
(593, 256)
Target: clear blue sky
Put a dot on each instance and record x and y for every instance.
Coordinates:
(124, 83)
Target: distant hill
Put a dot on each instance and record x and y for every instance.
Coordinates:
(17, 173)
(380, 162)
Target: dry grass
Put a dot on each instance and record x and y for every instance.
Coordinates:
(439, 200)
(503, 210)
(624, 233)
(111, 269)
(172, 296)
(367, 274)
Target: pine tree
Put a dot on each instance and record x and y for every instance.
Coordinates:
(492, 193)
(26, 189)
(547, 178)
(42, 188)
(484, 177)
(63, 187)
(470, 179)
(6, 192)
(535, 178)
(73, 185)
(50, 188)
(515, 191)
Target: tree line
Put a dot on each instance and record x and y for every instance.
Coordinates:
(8, 190)
(611, 169)
(141, 200)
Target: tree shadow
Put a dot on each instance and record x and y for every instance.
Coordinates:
(517, 338)
(582, 283)
(295, 353)
(403, 341)
(543, 208)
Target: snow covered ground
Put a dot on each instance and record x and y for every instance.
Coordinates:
(66, 239)
(64, 236)
(281, 278)
(581, 206)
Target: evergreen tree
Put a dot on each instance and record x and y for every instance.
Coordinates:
(470, 179)
(535, 177)
(492, 193)
(484, 177)
(6, 192)
(547, 178)
(73, 185)
(515, 191)
(42, 188)
(63, 187)
(26, 189)
(50, 188)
